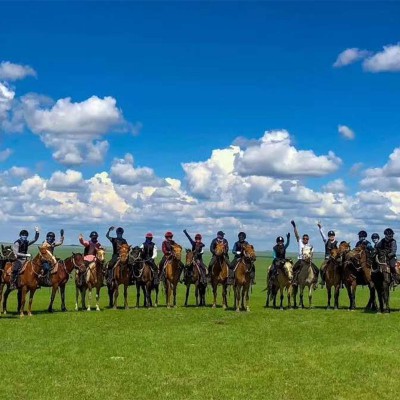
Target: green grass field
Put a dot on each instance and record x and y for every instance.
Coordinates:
(199, 353)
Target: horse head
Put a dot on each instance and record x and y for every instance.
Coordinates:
(356, 258)
(249, 252)
(189, 257)
(123, 252)
(177, 251)
(8, 252)
(219, 249)
(101, 254)
(78, 261)
(307, 253)
(288, 269)
(45, 254)
(344, 247)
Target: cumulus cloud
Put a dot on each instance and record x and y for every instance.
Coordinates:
(387, 60)
(69, 181)
(385, 178)
(73, 130)
(6, 100)
(350, 56)
(12, 72)
(4, 154)
(335, 186)
(274, 155)
(346, 132)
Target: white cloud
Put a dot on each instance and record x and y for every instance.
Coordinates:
(6, 100)
(70, 180)
(74, 130)
(4, 154)
(346, 132)
(274, 155)
(12, 72)
(19, 172)
(350, 56)
(387, 60)
(335, 186)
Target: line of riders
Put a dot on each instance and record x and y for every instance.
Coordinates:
(149, 252)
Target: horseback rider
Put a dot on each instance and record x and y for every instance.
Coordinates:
(330, 244)
(304, 248)
(90, 251)
(237, 251)
(375, 239)
(363, 241)
(279, 254)
(20, 248)
(50, 244)
(198, 249)
(149, 254)
(116, 243)
(219, 239)
(167, 249)
(389, 245)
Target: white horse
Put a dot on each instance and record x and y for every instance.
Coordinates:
(305, 277)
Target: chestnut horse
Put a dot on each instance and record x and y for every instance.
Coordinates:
(194, 278)
(144, 277)
(88, 278)
(172, 274)
(242, 280)
(121, 275)
(334, 272)
(7, 259)
(219, 274)
(61, 277)
(29, 278)
(282, 281)
(356, 270)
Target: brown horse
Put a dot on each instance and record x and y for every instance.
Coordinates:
(121, 275)
(219, 275)
(29, 277)
(242, 280)
(144, 278)
(7, 259)
(88, 278)
(381, 276)
(172, 274)
(357, 270)
(280, 282)
(194, 278)
(60, 278)
(334, 272)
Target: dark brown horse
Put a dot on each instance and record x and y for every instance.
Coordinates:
(88, 278)
(219, 275)
(172, 274)
(60, 278)
(29, 278)
(381, 276)
(242, 281)
(334, 273)
(7, 258)
(144, 278)
(193, 277)
(121, 275)
(357, 270)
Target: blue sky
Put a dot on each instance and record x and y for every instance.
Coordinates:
(195, 76)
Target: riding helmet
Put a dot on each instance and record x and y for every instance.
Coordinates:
(120, 230)
(388, 231)
(374, 236)
(362, 234)
(94, 234)
(51, 235)
(169, 234)
(24, 232)
(220, 233)
(280, 239)
(198, 236)
(331, 233)
(242, 234)
(149, 235)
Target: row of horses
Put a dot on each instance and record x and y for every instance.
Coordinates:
(345, 267)
(130, 269)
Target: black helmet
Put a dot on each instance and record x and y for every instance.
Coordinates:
(241, 234)
(362, 234)
(51, 235)
(220, 233)
(388, 231)
(24, 232)
(94, 234)
(120, 230)
(374, 236)
(280, 239)
(331, 233)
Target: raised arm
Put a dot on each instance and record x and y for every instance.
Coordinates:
(188, 236)
(296, 233)
(36, 236)
(111, 228)
(321, 232)
(61, 239)
(287, 240)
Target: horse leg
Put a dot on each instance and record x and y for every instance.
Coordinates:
(337, 292)
(1, 292)
(354, 294)
(224, 297)
(23, 296)
(386, 291)
(148, 289)
(76, 298)
(289, 295)
(329, 291)
(196, 293)
(6, 294)
(187, 294)
(247, 299)
(295, 290)
(168, 292)
(53, 295)
(156, 288)
(126, 297)
(62, 294)
(89, 298)
(116, 293)
(310, 293)
(281, 305)
(137, 294)
(97, 298)
(31, 294)
(83, 297)
(110, 296)
(302, 296)
(174, 292)
(372, 298)
(214, 288)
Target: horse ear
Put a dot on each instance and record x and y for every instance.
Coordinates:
(73, 253)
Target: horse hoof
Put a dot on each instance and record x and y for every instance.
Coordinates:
(155, 305)
(76, 309)
(64, 309)
(126, 308)
(29, 314)
(248, 309)
(21, 315)
(50, 310)
(238, 310)
(328, 308)
(88, 309)
(281, 308)
(175, 306)
(97, 308)
(214, 306)
(224, 307)
(114, 308)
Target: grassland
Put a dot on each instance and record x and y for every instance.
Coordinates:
(198, 353)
